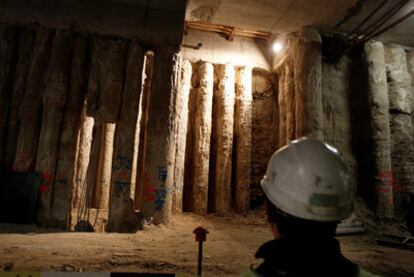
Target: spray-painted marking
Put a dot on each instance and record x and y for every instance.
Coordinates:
(122, 162)
(149, 193)
(160, 196)
(123, 174)
(120, 186)
(390, 184)
(47, 180)
(162, 173)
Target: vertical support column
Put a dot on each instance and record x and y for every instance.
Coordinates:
(89, 198)
(282, 106)
(30, 109)
(289, 101)
(189, 149)
(201, 138)
(308, 87)
(410, 63)
(182, 104)
(106, 78)
(135, 156)
(401, 127)
(224, 99)
(105, 166)
(378, 100)
(160, 144)
(243, 138)
(65, 172)
(54, 100)
(84, 151)
(8, 46)
(121, 217)
(146, 91)
(25, 51)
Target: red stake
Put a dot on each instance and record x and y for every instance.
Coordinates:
(200, 236)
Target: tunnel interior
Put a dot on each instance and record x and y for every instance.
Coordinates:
(122, 116)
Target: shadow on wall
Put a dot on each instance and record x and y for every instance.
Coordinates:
(264, 137)
(362, 140)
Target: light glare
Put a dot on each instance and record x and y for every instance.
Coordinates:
(277, 47)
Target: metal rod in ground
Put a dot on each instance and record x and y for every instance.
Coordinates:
(200, 257)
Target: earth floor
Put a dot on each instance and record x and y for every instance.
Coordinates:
(229, 250)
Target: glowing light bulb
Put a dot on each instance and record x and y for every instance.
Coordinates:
(277, 47)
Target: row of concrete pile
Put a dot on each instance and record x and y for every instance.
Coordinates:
(362, 105)
(46, 77)
(390, 94)
(214, 108)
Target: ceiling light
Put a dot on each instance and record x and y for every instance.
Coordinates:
(277, 47)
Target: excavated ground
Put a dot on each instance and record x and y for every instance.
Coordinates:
(229, 250)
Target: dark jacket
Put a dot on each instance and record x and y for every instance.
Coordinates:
(303, 258)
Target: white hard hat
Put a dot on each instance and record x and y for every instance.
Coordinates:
(309, 180)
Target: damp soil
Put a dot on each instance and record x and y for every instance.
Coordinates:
(229, 250)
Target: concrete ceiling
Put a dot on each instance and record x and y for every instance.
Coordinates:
(284, 16)
(402, 33)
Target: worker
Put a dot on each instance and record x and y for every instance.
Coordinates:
(308, 192)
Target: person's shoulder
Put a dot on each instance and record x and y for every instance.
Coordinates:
(363, 273)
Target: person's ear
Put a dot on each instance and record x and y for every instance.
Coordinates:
(275, 231)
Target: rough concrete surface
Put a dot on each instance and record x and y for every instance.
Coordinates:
(224, 99)
(289, 96)
(282, 106)
(66, 163)
(89, 195)
(264, 129)
(307, 55)
(402, 148)
(158, 170)
(122, 217)
(105, 166)
(84, 150)
(378, 100)
(189, 149)
(26, 38)
(201, 138)
(54, 101)
(243, 139)
(336, 111)
(106, 78)
(9, 40)
(399, 80)
(31, 104)
(410, 65)
(146, 90)
(182, 106)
